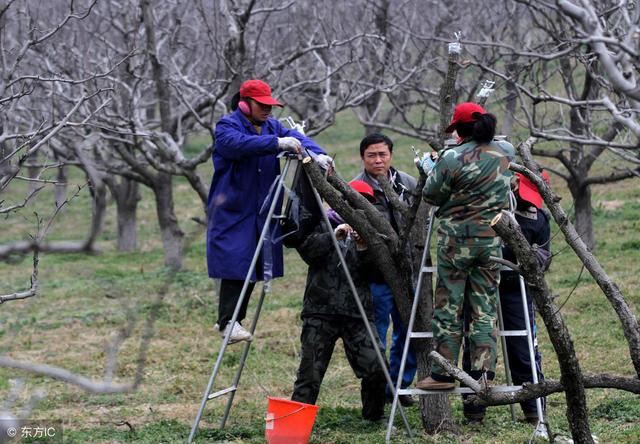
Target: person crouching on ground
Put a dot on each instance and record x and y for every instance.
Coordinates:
(329, 313)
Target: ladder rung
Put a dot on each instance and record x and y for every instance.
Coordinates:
(458, 390)
(512, 333)
(428, 269)
(222, 392)
(428, 334)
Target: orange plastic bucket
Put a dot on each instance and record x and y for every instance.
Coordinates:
(289, 422)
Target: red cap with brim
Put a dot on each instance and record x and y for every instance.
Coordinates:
(258, 91)
(363, 188)
(463, 113)
(528, 190)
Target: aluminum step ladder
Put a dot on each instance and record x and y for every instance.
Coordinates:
(424, 270)
(277, 188)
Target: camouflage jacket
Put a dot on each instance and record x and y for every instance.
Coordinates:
(470, 183)
(327, 291)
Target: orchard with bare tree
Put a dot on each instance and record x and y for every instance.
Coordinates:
(120, 98)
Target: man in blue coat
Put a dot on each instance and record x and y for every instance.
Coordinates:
(245, 163)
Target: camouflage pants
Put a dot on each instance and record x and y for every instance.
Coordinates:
(465, 274)
(318, 338)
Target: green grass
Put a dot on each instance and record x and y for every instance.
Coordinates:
(85, 299)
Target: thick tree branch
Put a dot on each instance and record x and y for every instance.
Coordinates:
(610, 289)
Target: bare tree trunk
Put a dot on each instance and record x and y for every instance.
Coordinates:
(511, 101)
(61, 185)
(172, 235)
(448, 96)
(571, 375)
(435, 410)
(583, 212)
(98, 211)
(32, 172)
(127, 195)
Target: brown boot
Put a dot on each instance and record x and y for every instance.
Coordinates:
(431, 384)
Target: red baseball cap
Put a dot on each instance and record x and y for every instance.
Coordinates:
(463, 113)
(258, 91)
(363, 188)
(528, 190)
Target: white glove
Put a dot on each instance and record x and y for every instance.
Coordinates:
(290, 144)
(324, 161)
(342, 231)
(426, 164)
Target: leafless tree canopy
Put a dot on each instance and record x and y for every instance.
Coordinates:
(119, 88)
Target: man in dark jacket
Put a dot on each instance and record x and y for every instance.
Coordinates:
(247, 143)
(329, 313)
(376, 152)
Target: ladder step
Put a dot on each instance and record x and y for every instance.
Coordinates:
(512, 333)
(211, 396)
(428, 270)
(458, 390)
(428, 334)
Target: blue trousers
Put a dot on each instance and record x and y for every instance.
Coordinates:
(384, 312)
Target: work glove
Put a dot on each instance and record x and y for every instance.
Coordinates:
(426, 163)
(342, 231)
(324, 161)
(542, 256)
(290, 144)
(361, 245)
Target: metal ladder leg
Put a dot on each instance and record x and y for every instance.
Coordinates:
(363, 314)
(505, 355)
(532, 357)
(245, 353)
(265, 229)
(412, 318)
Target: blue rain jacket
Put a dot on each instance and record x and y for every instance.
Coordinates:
(245, 167)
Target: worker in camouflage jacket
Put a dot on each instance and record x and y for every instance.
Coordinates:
(470, 184)
(534, 224)
(329, 313)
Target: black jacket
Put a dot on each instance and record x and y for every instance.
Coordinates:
(535, 227)
(327, 291)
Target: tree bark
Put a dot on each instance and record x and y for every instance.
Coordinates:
(126, 195)
(448, 96)
(571, 375)
(581, 195)
(511, 99)
(435, 410)
(98, 211)
(172, 235)
(33, 171)
(61, 185)
(609, 288)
